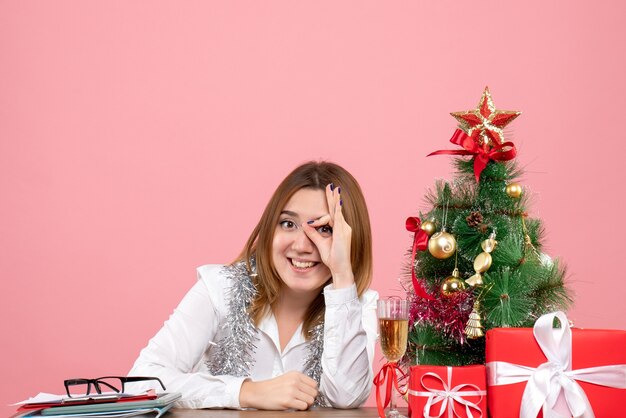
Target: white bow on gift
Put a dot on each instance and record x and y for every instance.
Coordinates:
(546, 382)
(448, 396)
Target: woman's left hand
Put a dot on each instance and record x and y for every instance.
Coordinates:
(335, 250)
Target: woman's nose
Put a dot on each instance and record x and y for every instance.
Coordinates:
(302, 243)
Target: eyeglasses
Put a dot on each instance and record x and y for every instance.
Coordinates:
(82, 387)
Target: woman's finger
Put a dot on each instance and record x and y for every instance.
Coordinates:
(322, 220)
(318, 240)
(309, 390)
(309, 382)
(339, 204)
(305, 397)
(299, 405)
(332, 193)
(337, 210)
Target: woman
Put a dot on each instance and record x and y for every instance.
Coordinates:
(290, 323)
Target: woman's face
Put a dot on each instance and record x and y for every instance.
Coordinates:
(295, 257)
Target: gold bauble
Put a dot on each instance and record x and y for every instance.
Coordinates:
(442, 245)
(475, 280)
(452, 284)
(514, 190)
(482, 262)
(429, 227)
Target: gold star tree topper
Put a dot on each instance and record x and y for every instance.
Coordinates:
(486, 122)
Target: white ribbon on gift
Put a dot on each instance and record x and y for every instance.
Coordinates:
(448, 396)
(546, 382)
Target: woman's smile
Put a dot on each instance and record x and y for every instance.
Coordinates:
(303, 265)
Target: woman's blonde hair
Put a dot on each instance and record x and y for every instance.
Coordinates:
(311, 175)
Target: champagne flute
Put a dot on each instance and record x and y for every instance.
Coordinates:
(393, 323)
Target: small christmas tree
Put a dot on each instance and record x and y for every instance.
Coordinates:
(476, 260)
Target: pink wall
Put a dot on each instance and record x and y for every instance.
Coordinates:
(141, 139)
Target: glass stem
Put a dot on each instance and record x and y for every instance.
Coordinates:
(392, 403)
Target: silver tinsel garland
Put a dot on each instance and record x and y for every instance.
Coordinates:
(234, 354)
(313, 363)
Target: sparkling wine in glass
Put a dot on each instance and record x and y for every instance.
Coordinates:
(393, 323)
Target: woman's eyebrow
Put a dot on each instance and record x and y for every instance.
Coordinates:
(296, 215)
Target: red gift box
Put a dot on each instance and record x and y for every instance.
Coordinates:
(443, 391)
(556, 368)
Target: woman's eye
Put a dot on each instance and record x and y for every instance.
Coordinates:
(325, 230)
(287, 224)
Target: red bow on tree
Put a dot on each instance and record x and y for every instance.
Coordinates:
(420, 242)
(482, 153)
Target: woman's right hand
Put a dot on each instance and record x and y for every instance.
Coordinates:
(292, 390)
(335, 252)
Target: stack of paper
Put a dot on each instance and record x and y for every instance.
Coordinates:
(109, 405)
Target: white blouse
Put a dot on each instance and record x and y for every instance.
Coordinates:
(178, 352)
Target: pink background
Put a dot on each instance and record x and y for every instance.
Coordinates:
(141, 139)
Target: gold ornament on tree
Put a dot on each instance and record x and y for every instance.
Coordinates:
(442, 244)
(514, 190)
(452, 284)
(474, 327)
(482, 262)
(429, 227)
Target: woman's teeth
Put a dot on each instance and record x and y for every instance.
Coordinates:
(302, 264)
